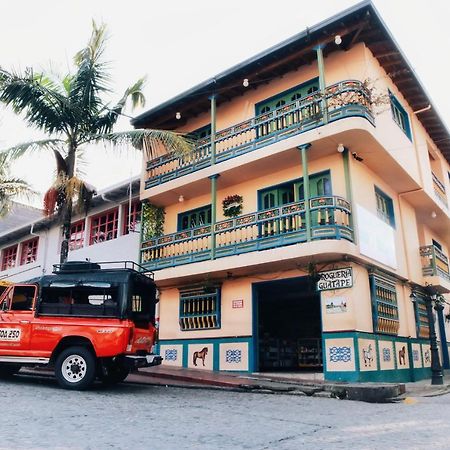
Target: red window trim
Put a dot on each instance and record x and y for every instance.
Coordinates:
(135, 211)
(8, 254)
(78, 242)
(103, 235)
(34, 248)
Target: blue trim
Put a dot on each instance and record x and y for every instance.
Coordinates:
(406, 374)
(215, 342)
(443, 339)
(396, 106)
(389, 204)
(344, 112)
(255, 332)
(280, 95)
(192, 211)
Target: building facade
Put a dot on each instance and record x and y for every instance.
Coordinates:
(310, 226)
(109, 232)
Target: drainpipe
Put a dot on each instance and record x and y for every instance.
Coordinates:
(213, 128)
(303, 149)
(213, 179)
(321, 67)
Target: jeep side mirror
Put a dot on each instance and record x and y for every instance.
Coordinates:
(4, 306)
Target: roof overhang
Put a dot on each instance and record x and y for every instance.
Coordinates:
(360, 23)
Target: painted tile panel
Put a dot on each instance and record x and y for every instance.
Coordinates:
(367, 354)
(233, 356)
(172, 354)
(200, 356)
(387, 355)
(340, 354)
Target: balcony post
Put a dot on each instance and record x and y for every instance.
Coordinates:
(213, 179)
(322, 85)
(303, 149)
(348, 186)
(213, 128)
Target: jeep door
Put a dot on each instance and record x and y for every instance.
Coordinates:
(16, 315)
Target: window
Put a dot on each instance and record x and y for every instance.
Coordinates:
(9, 257)
(28, 252)
(437, 244)
(399, 115)
(84, 298)
(200, 308)
(21, 298)
(201, 133)
(132, 216)
(421, 315)
(76, 235)
(194, 218)
(293, 191)
(385, 207)
(104, 227)
(384, 304)
(291, 95)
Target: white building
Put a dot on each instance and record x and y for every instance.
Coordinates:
(30, 243)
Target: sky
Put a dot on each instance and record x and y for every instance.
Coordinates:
(178, 44)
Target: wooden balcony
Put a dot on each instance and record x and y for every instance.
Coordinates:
(271, 228)
(348, 98)
(435, 264)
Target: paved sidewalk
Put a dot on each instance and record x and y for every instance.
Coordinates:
(291, 384)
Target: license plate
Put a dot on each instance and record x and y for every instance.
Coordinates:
(10, 334)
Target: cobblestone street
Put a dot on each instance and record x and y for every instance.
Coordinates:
(37, 414)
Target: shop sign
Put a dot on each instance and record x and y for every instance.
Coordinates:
(237, 304)
(335, 279)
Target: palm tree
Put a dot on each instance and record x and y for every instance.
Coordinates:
(10, 187)
(72, 112)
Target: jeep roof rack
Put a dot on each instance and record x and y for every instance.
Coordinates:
(88, 266)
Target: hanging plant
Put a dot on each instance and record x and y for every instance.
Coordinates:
(232, 205)
(152, 221)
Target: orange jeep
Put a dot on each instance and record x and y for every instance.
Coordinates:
(84, 321)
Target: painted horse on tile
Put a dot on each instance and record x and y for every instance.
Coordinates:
(200, 355)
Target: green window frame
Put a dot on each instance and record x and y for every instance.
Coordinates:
(421, 315)
(293, 191)
(201, 133)
(400, 116)
(288, 96)
(385, 207)
(384, 304)
(194, 218)
(200, 308)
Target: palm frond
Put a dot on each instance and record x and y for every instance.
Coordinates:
(153, 142)
(44, 144)
(11, 188)
(33, 94)
(105, 122)
(92, 77)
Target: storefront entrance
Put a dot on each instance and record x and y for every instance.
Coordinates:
(288, 330)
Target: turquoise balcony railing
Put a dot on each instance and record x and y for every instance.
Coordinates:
(345, 99)
(434, 262)
(439, 189)
(270, 228)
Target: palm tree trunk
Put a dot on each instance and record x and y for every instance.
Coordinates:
(67, 208)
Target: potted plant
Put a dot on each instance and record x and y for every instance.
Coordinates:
(232, 205)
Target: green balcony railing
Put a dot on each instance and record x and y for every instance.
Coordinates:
(439, 190)
(434, 262)
(270, 228)
(345, 99)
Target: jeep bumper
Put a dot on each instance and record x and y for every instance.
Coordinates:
(136, 361)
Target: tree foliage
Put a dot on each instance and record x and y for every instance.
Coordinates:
(72, 111)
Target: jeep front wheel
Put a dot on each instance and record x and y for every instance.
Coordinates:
(75, 368)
